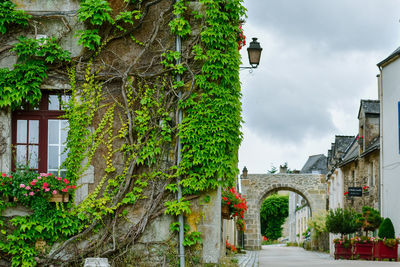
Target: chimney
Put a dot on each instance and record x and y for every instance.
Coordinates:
(244, 173)
(282, 169)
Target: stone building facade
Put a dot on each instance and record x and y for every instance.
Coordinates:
(353, 161)
(59, 18)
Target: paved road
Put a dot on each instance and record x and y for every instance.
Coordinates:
(282, 256)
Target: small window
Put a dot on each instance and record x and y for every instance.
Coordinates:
(39, 135)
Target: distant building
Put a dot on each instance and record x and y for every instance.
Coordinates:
(316, 164)
(299, 209)
(353, 161)
(389, 96)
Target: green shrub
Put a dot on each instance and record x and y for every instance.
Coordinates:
(369, 220)
(386, 229)
(342, 221)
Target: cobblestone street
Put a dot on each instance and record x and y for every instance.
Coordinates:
(282, 256)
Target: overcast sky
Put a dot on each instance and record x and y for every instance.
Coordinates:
(319, 59)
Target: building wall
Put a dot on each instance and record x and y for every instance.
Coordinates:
(360, 173)
(390, 159)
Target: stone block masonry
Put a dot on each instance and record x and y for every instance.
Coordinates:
(256, 187)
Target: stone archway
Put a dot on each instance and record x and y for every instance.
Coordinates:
(255, 187)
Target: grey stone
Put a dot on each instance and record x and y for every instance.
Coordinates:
(16, 211)
(96, 262)
(257, 186)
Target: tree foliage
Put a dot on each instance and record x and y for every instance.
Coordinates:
(274, 210)
(386, 229)
(342, 221)
(369, 220)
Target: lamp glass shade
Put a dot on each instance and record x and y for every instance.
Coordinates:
(254, 52)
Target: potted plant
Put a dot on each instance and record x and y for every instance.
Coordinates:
(386, 246)
(342, 221)
(369, 220)
(362, 247)
(236, 205)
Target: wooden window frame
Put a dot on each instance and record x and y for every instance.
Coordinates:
(43, 115)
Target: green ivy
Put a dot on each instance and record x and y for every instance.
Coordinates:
(22, 84)
(210, 131)
(10, 16)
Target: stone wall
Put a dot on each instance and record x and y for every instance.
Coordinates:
(362, 172)
(256, 187)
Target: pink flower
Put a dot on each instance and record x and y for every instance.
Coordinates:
(26, 194)
(10, 176)
(54, 192)
(46, 189)
(45, 185)
(66, 181)
(64, 190)
(28, 188)
(73, 187)
(59, 178)
(31, 193)
(21, 186)
(33, 182)
(4, 175)
(43, 174)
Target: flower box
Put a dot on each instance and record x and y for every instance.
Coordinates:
(343, 252)
(59, 198)
(225, 214)
(381, 251)
(363, 251)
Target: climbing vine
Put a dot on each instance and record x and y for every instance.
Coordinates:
(123, 120)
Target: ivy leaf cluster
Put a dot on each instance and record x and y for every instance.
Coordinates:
(46, 48)
(9, 16)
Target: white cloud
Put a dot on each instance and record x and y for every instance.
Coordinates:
(319, 59)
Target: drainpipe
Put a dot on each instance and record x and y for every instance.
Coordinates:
(380, 166)
(178, 44)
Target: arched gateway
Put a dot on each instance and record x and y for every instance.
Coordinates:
(255, 187)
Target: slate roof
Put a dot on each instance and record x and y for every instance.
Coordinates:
(315, 163)
(372, 146)
(369, 106)
(395, 53)
(342, 142)
(351, 153)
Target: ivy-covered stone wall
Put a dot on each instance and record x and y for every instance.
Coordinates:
(118, 62)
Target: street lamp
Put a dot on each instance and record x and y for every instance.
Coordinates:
(254, 51)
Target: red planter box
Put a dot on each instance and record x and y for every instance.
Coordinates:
(341, 252)
(363, 251)
(381, 251)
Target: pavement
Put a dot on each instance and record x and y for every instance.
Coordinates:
(282, 256)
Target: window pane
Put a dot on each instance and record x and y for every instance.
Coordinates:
(21, 155)
(21, 131)
(33, 157)
(34, 132)
(53, 157)
(54, 102)
(64, 154)
(64, 100)
(64, 131)
(53, 132)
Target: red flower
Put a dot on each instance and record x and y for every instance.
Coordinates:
(73, 187)
(64, 190)
(4, 175)
(65, 181)
(346, 193)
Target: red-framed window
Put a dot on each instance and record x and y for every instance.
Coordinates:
(39, 135)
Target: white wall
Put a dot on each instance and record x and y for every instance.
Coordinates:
(390, 157)
(336, 198)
